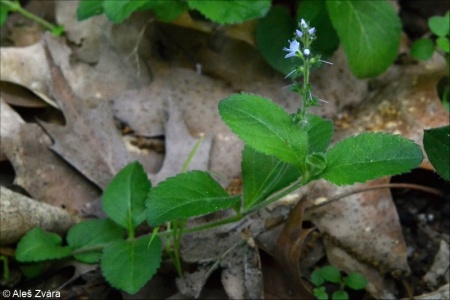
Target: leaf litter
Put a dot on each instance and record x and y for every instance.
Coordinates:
(181, 104)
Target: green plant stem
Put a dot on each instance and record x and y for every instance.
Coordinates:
(15, 6)
(192, 153)
(5, 266)
(215, 224)
(306, 89)
(177, 235)
(275, 197)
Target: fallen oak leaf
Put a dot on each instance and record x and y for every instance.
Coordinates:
(349, 228)
(41, 172)
(90, 140)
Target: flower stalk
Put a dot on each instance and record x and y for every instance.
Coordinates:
(300, 50)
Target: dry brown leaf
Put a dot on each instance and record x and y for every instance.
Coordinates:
(42, 173)
(362, 233)
(18, 214)
(289, 247)
(89, 141)
(19, 96)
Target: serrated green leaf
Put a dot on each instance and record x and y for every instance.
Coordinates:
(92, 233)
(315, 12)
(124, 198)
(320, 132)
(264, 175)
(437, 146)
(272, 35)
(331, 274)
(118, 11)
(231, 11)
(128, 265)
(38, 245)
(164, 10)
(439, 25)
(370, 155)
(422, 49)
(186, 195)
(265, 126)
(369, 32)
(355, 281)
(89, 8)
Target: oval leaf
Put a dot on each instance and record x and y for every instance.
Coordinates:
(315, 12)
(124, 198)
(272, 35)
(369, 32)
(38, 245)
(92, 233)
(331, 274)
(422, 49)
(128, 265)
(439, 25)
(370, 155)
(437, 146)
(231, 11)
(355, 281)
(265, 126)
(186, 195)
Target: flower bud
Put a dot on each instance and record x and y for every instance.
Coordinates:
(303, 24)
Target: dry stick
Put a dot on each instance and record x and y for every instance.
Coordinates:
(134, 51)
(418, 187)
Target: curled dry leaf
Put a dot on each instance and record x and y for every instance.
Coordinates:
(17, 95)
(42, 173)
(18, 214)
(26, 67)
(289, 248)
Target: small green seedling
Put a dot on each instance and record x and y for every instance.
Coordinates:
(283, 152)
(331, 274)
(424, 48)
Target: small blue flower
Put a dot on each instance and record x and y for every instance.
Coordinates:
(306, 52)
(299, 33)
(311, 31)
(294, 47)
